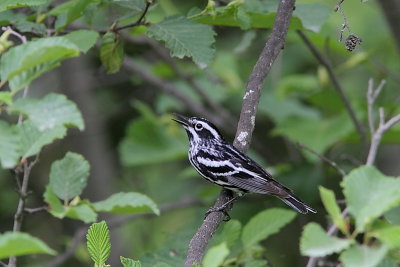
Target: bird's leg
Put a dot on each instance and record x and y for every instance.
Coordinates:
(222, 208)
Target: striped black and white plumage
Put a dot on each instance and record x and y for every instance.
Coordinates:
(221, 163)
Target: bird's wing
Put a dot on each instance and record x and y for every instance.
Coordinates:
(225, 165)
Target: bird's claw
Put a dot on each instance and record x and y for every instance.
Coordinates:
(220, 209)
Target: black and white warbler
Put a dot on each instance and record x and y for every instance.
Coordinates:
(221, 163)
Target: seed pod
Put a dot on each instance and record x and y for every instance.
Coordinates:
(352, 41)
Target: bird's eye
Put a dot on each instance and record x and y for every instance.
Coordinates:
(198, 126)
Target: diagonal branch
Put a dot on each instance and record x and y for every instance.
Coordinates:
(272, 48)
(336, 84)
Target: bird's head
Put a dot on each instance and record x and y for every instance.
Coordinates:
(198, 129)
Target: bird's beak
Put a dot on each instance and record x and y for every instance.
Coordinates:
(181, 119)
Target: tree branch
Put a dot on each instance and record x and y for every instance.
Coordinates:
(339, 89)
(80, 234)
(246, 124)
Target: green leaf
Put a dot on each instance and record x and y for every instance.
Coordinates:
(21, 64)
(9, 4)
(256, 263)
(68, 12)
(264, 224)
(216, 255)
(111, 52)
(32, 140)
(127, 203)
(230, 233)
(319, 134)
(389, 235)
(98, 242)
(185, 37)
(52, 111)
(369, 194)
(364, 256)
(312, 16)
(6, 97)
(16, 244)
(315, 242)
(162, 264)
(68, 176)
(329, 201)
(148, 141)
(81, 211)
(84, 39)
(9, 145)
(393, 215)
(126, 262)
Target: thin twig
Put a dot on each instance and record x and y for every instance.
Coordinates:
(371, 98)
(336, 84)
(23, 193)
(35, 210)
(246, 124)
(79, 235)
(345, 24)
(140, 21)
(327, 160)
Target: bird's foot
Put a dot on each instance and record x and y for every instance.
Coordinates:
(220, 209)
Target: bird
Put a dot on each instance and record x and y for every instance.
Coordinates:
(221, 163)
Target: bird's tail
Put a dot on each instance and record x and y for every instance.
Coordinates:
(297, 204)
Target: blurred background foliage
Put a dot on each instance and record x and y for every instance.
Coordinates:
(132, 144)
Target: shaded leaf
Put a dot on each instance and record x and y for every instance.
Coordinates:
(264, 224)
(9, 4)
(216, 255)
(126, 262)
(84, 39)
(389, 235)
(16, 244)
(51, 111)
(33, 140)
(329, 200)
(127, 203)
(312, 16)
(185, 37)
(98, 242)
(364, 256)
(393, 215)
(23, 63)
(369, 194)
(315, 242)
(148, 141)
(68, 176)
(9, 145)
(111, 52)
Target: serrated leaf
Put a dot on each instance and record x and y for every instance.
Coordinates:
(68, 176)
(364, 256)
(9, 145)
(126, 262)
(185, 37)
(369, 194)
(127, 203)
(329, 200)
(264, 224)
(216, 255)
(84, 39)
(111, 52)
(32, 140)
(9, 4)
(21, 64)
(98, 242)
(52, 111)
(315, 242)
(16, 244)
